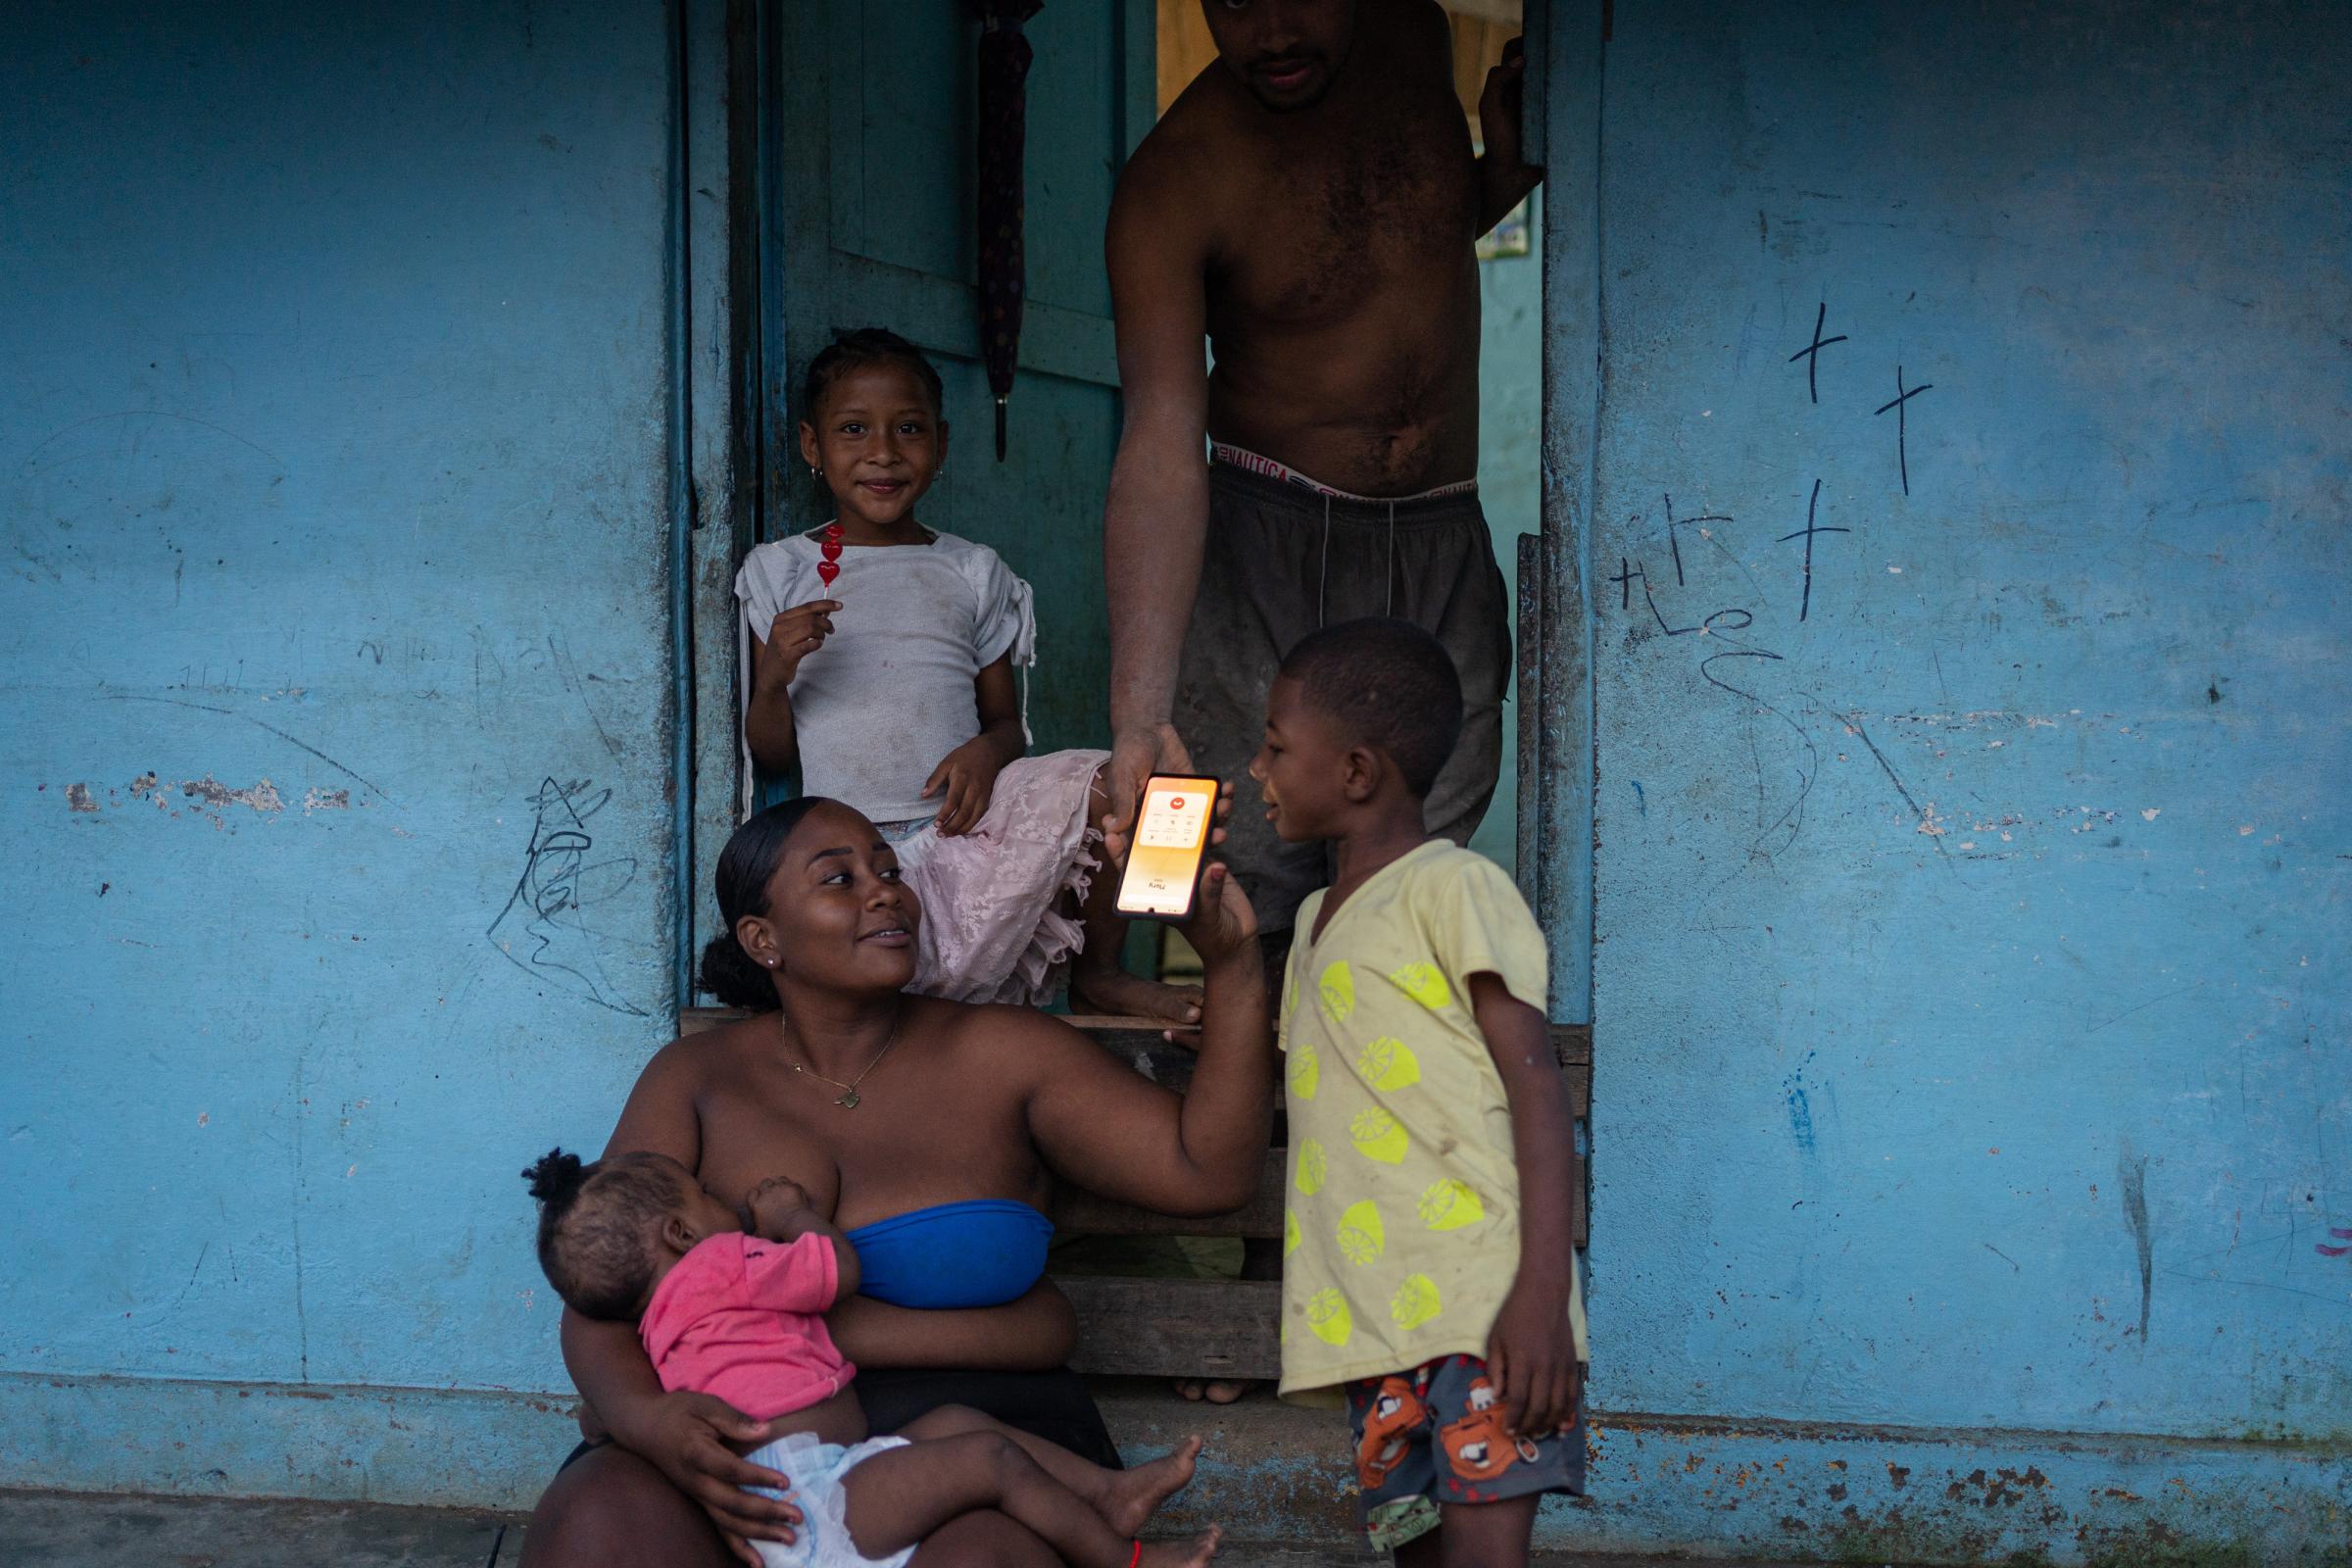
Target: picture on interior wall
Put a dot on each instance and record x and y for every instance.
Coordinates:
(1510, 238)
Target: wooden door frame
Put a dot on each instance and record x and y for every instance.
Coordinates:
(1557, 759)
(746, 190)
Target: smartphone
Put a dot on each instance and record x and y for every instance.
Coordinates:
(1171, 841)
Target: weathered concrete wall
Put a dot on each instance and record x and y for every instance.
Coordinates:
(334, 432)
(1972, 1083)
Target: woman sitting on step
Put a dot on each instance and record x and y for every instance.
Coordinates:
(940, 1126)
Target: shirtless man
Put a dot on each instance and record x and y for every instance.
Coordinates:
(1309, 205)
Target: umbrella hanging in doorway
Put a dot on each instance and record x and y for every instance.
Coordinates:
(1004, 57)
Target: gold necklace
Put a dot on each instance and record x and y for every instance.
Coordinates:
(848, 1099)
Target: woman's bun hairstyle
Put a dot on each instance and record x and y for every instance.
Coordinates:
(728, 973)
(744, 866)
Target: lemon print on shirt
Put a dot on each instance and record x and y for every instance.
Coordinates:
(1337, 991)
(1312, 1167)
(1449, 1205)
(1307, 1071)
(1362, 1237)
(1415, 1303)
(1425, 983)
(1388, 1064)
(1290, 1231)
(1327, 1317)
(1378, 1137)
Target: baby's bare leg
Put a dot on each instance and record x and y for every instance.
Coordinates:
(896, 1499)
(1125, 1498)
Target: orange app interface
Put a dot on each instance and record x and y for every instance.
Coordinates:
(1167, 847)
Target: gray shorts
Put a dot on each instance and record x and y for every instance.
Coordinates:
(1281, 561)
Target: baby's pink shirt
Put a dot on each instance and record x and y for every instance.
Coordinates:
(744, 1319)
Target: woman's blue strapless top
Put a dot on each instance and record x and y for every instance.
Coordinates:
(983, 1253)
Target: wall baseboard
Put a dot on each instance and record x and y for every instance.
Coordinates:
(1658, 1483)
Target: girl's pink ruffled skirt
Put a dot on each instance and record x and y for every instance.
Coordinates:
(994, 922)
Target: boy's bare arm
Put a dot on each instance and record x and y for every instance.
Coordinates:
(779, 1209)
(1532, 1352)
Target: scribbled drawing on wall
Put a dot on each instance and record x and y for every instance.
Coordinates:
(542, 928)
(1732, 629)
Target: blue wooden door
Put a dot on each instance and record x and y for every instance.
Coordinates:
(871, 150)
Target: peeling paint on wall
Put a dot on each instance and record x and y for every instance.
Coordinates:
(261, 796)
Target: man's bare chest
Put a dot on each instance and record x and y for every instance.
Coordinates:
(1318, 238)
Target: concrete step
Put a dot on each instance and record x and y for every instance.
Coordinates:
(79, 1530)
(82, 1530)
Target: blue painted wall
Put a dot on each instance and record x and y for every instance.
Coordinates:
(334, 454)
(1969, 962)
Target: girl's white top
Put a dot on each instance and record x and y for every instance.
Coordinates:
(890, 693)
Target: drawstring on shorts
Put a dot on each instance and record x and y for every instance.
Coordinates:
(1323, 582)
(1392, 570)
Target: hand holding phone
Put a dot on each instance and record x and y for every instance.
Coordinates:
(1171, 839)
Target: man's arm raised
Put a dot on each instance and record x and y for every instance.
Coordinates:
(1157, 519)
(1504, 176)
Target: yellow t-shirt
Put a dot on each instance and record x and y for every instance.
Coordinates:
(1402, 1239)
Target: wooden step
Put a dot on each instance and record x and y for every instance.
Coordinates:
(1175, 1328)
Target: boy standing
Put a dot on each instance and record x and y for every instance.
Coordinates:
(1429, 1273)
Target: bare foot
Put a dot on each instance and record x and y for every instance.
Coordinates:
(1130, 1497)
(1192, 1553)
(1218, 1391)
(1121, 995)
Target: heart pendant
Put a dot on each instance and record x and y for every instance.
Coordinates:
(848, 1102)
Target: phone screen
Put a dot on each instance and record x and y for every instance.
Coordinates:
(1171, 835)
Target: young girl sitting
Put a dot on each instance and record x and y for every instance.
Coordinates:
(893, 688)
(742, 1317)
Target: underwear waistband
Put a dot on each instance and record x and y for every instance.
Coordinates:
(1250, 462)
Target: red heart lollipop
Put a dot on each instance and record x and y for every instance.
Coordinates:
(830, 568)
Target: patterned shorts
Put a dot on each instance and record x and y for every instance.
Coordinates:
(1434, 1436)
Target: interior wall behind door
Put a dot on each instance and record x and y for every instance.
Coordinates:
(872, 159)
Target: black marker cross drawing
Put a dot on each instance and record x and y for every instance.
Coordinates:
(1811, 352)
(1806, 533)
(1630, 572)
(1626, 575)
(1674, 544)
(1902, 456)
